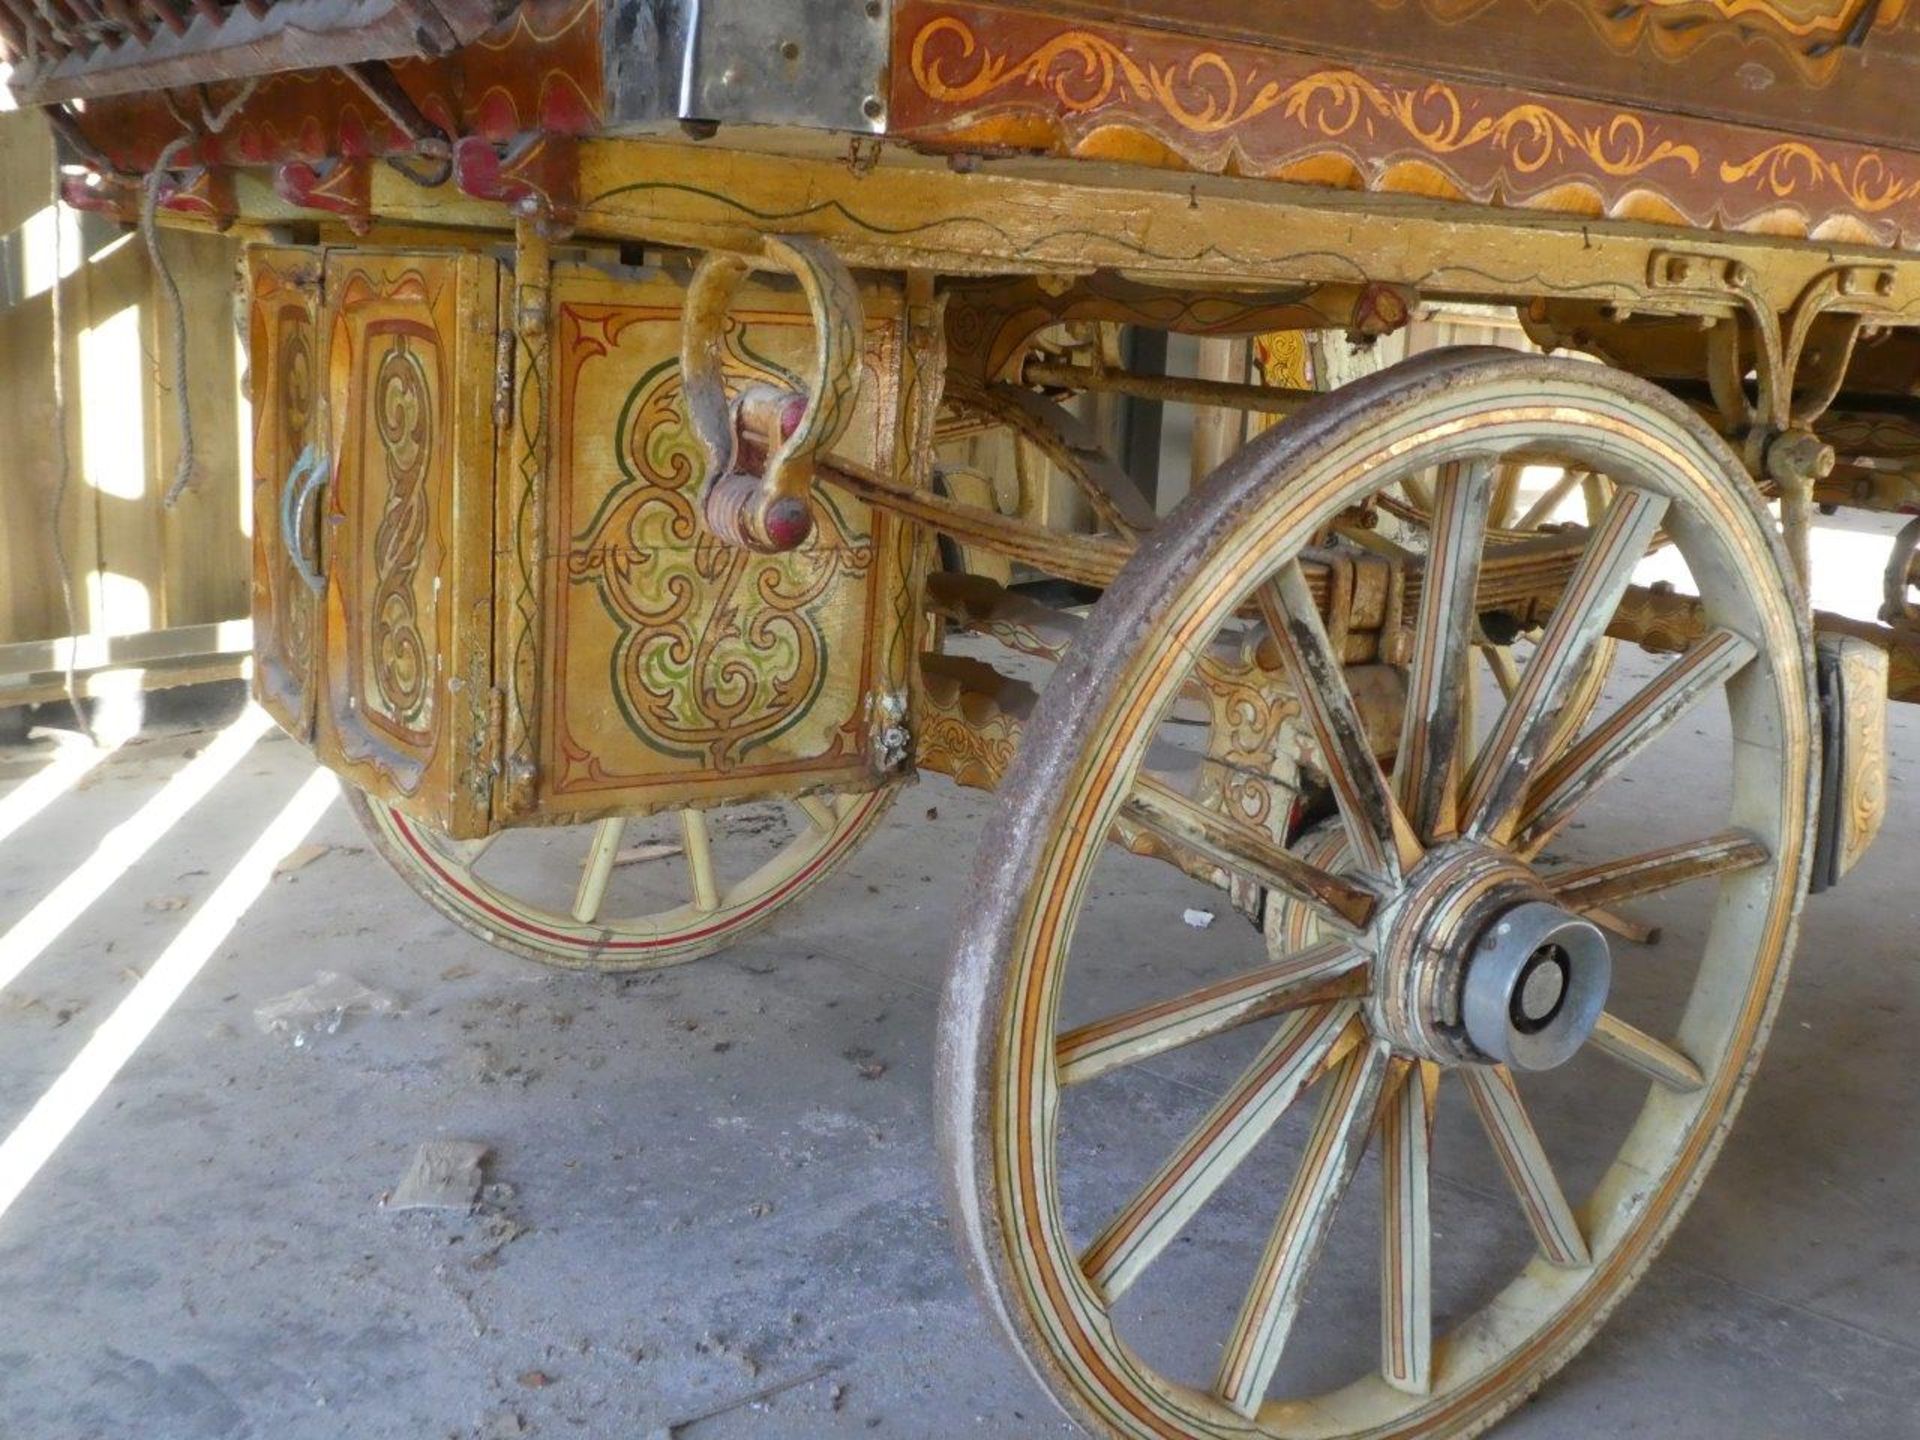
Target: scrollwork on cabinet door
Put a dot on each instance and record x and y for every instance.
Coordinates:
(283, 347)
(407, 532)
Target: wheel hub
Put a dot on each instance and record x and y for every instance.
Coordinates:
(1475, 963)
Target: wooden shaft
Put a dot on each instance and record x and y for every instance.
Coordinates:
(1227, 394)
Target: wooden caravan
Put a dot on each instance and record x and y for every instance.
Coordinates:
(712, 414)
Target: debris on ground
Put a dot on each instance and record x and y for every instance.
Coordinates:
(301, 857)
(443, 1175)
(165, 903)
(1198, 919)
(676, 1429)
(320, 1008)
(503, 1425)
(533, 1379)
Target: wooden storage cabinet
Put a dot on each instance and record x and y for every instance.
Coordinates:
(389, 668)
(668, 669)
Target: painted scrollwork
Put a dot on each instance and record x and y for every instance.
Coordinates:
(720, 650)
(403, 422)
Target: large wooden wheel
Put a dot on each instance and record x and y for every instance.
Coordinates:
(1456, 965)
(613, 896)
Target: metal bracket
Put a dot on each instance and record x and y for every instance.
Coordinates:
(1799, 361)
(820, 64)
(766, 504)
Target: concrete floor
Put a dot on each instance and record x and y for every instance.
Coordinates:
(720, 1178)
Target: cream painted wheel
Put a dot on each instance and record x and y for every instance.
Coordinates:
(1418, 981)
(562, 898)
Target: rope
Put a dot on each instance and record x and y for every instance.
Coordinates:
(170, 288)
(63, 478)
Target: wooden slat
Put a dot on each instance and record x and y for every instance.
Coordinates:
(1339, 1138)
(1215, 1147)
(1651, 871)
(1653, 1058)
(1527, 1168)
(1315, 973)
(1383, 843)
(1610, 745)
(1225, 841)
(1426, 773)
(1406, 1231)
(1513, 752)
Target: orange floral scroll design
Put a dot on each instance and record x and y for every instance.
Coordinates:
(1786, 170)
(1083, 72)
(1531, 135)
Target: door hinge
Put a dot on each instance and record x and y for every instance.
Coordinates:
(504, 345)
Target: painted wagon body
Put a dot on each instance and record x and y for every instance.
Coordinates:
(648, 400)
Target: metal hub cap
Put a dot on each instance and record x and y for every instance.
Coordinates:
(1535, 985)
(1474, 963)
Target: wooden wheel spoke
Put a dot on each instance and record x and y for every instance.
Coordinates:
(1653, 1058)
(1301, 1050)
(1611, 881)
(1506, 673)
(1426, 772)
(1225, 841)
(820, 812)
(699, 844)
(1341, 1129)
(466, 853)
(1515, 749)
(1538, 512)
(1383, 842)
(1601, 753)
(1526, 1164)
(602, 851)
(1316, 973)
(1406, 1231)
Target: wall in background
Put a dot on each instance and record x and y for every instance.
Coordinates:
(138, 567)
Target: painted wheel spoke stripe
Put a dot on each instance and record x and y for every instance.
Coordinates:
(1426, 774)
(1406, 1249)
(1340, 1132)
(1653, 1058)
(1297, 980)
(1643, 719)
(1298, 1052)
(1512, 752)
(1611, 881)
(1383, 842)
(1525, 1160)
(1238, 846)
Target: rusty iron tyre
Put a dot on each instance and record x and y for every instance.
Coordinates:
(1455, 961)
(717, 912)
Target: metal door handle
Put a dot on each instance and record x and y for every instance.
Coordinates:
(305, 480)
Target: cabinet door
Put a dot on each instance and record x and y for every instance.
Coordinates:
(677, 669)
(284, 369)
(408, 610)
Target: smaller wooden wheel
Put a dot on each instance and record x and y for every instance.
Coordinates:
(625, 894)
